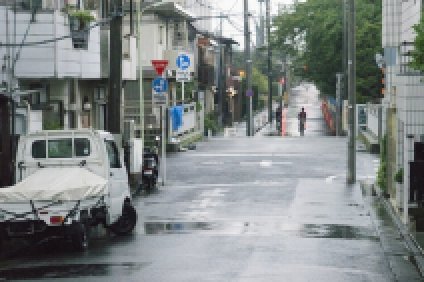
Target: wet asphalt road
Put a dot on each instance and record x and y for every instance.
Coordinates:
(238, 209)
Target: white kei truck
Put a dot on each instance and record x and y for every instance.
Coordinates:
(67, 182)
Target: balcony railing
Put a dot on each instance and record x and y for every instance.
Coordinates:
(405, 49)
(49, 5)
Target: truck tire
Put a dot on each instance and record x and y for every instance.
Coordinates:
(126, 223)
(150, 186)
(79, 236)
(3, 238)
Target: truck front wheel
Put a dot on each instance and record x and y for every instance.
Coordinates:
(126, 223)
(79, 236)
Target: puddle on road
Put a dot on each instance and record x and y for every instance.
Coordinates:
(336, 231)
(69, 271)
(152, 228)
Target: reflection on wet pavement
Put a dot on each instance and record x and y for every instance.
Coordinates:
(334, 231)
(70, 271)
(337, 231)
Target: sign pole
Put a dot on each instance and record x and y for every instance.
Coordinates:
(182, 96)
(160, 86)
(163, 153)
(163, 121)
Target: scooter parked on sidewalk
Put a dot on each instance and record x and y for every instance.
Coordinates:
(150, 172)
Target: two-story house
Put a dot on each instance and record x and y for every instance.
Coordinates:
(52, 62)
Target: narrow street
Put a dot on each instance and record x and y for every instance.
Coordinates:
(240, 209)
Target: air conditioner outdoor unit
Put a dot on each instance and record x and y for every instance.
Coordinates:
(179, 34)
(72, 107)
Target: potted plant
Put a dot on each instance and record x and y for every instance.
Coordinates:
(79, 21)
(398, 178)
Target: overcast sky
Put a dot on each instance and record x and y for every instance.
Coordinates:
(235, 10)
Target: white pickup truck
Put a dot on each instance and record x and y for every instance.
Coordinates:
(67, 182)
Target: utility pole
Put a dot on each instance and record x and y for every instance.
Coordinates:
(115, 72)
(344, 63)
(140, 71)
(248, 61)
(339, 77)
(260, 29)
(268, 37)
(220, 71)
(351, 65)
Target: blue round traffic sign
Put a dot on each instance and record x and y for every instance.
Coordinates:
(183, 62)
(160, 85)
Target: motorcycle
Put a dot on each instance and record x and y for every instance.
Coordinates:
(150, 172)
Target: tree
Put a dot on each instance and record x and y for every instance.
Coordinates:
(417, 54)
(311, 33)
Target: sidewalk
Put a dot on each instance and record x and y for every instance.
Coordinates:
(404, 255)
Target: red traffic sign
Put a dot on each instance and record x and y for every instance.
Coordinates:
(159, 65)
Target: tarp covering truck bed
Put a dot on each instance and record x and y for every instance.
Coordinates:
(56, 184)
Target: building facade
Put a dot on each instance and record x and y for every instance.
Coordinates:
(403, 100)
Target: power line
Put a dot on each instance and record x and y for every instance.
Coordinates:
(239, 29)
(46, 41)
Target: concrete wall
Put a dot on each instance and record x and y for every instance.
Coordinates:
(129, 58)
(153, 39)
(374, 119)
(391, 22)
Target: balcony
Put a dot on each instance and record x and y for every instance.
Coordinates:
(405, 58)
(50, 59)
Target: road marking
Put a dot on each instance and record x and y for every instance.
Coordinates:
(264, 163)
(330, 179)
(218, 192)
(238, 184)
(212, 163)
(246, 155)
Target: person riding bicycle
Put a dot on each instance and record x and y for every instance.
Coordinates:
(302, 120)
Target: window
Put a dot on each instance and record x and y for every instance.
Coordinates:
(38, 150)
(60, 148)
(112, 153)
(53, 115)
(82, 147)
